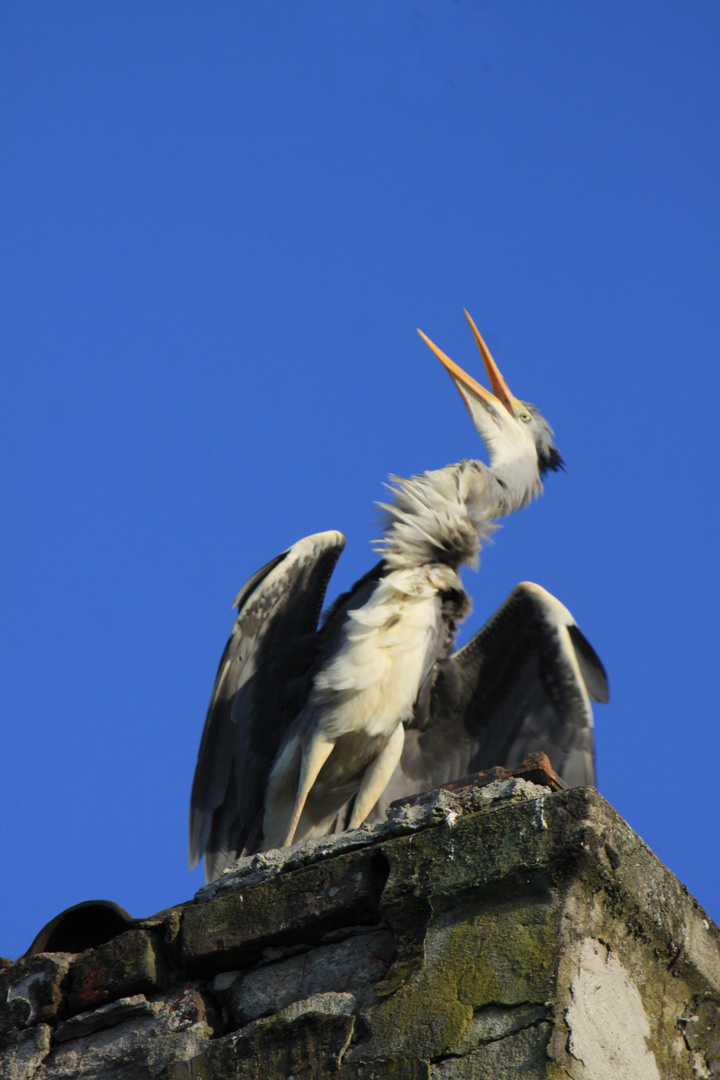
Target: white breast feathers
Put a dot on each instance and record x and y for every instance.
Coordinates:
(373, 679)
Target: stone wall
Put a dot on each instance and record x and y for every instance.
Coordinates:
(494, 933)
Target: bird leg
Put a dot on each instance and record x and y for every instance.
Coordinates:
(377, 776)
(312, 762)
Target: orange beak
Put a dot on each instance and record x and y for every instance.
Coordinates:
(500, 387)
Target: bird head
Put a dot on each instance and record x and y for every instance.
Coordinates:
(514, 431)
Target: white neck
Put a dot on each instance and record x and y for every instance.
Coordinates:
(516, 469)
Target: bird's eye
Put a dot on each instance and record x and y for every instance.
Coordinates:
(525, 416)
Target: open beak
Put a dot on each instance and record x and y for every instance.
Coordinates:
(465, 382)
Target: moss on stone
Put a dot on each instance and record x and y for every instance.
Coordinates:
(516, 926)
(473, 958)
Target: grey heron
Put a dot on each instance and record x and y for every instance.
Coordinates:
(315, 725)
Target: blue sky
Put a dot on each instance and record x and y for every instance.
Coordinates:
(222, 224)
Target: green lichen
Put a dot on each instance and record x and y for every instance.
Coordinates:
(481, 956)
(508, 952)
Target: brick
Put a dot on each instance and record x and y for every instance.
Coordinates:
(117, 1012)
(301, 906)
(151, 1040)
(184, 1009)
(353, 965)
(132, 963)
(308, 1038)
(31, 990)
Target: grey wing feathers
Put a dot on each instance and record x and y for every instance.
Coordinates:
(257, 693)
(521, 684)
(523, 687)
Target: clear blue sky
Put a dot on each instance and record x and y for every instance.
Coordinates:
(222, 223)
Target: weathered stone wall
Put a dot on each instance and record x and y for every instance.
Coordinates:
(491, 933)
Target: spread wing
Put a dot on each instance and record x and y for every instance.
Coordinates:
(258, 691)
(522, 684)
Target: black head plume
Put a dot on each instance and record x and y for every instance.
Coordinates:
(549, 458)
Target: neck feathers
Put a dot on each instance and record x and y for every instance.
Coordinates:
(441, 516)
(445, 515)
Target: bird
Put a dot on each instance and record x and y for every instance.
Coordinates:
(315, 724)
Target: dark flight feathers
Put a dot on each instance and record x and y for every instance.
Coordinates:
(261, 684)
